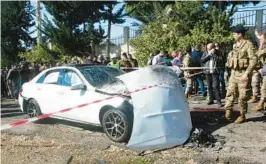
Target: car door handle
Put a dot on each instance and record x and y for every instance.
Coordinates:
(39, 89)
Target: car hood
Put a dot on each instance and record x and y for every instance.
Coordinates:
(161, 114)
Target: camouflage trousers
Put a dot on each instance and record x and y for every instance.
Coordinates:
(226, 79)
(236, 85)
(188, 85)
(255, 83)
(263, 89)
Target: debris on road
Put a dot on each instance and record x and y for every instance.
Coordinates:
(200, 138)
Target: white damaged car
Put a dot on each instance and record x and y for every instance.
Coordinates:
(155, 118)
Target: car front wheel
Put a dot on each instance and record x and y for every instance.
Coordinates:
(33, 108)
(116, 125)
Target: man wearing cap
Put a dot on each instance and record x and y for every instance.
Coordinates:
(242, 63)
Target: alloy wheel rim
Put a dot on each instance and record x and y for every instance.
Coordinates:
(115, 125)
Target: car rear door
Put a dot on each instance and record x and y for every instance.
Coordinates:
(49, 92)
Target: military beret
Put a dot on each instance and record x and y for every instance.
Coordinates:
(238, 29)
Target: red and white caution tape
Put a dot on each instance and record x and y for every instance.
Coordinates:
(181, 68)
(26, 121)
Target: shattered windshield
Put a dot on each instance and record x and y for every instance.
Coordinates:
(100, 76)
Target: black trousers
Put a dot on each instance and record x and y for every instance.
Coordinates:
(213, 86)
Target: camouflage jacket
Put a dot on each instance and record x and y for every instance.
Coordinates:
(261, 53)
(243, 57)
(187, 62)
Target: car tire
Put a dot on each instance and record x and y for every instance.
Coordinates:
(33, 109)
(117, 125)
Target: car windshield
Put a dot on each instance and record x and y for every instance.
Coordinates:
(100, 76)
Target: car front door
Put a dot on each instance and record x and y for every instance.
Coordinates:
(72, 98)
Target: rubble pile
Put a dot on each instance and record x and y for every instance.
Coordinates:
(202, 139)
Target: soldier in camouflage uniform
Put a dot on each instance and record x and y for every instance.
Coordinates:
(261, 53)
(187, 62)
(242, 64)
(255, 83)
(228, 71)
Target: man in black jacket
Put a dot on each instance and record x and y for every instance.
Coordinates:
(221, 70)
(212, 61)
(12, 81)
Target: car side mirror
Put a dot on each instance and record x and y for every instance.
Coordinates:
(79, 87)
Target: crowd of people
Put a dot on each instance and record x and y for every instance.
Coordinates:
(14, 76)
(208, 57)
(227, 76)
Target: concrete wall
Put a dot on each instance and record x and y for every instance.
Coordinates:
(131, 49)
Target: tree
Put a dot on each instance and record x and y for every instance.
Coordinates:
(73, 13)
(39, 54)
(146, 11)
(185, 24)
(16, 19)
(65, 31)
(116, 17)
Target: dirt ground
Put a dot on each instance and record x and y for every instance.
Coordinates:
(54, 141)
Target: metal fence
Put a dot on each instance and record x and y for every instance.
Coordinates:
(250, 18)
(264, 17)
(133, 33)
(119, 40)
(129, 33)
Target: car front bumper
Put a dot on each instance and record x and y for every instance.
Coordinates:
(161, 114)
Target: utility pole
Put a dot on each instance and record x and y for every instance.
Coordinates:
(126, 37)
(109, 16)
(259, 20)
(39, 24)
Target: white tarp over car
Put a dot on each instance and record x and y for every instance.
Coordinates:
(161, 114)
